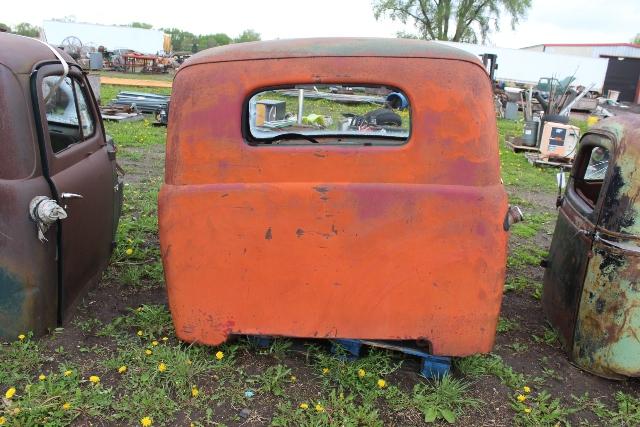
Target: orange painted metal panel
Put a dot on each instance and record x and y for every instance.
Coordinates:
(396, 242)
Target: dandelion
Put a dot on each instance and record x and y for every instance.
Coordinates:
(165, 339)
(129, 251)
(219, 355)
(382, 383)
(146, 421)
(304, 406)
(148, 352)
(188, 362)
(67, 373)
(293, 379)
(162, 367)
(22, 337)
(122, 369)
(527, 410)
(319, 407)
(154, 343)
(10, 393)
(140, 333)
(66, 406)
(3, 420)
(526, 389)
(94, 379)
(42, 377)
(139, 309)
(521, 397)
(194, 391)
(325, 371)
(361, 373)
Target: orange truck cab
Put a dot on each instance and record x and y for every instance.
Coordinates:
(334, 188)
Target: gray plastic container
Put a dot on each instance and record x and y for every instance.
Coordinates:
(530, 135)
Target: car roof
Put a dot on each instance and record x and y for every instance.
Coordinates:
(20, 54)
(330, 47)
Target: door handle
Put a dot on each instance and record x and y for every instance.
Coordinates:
(71, 196)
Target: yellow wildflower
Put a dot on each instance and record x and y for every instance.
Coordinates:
(361, 373)
(165, 339)
(148, 352)
(21, 337)
(10, 393)
(67, 373)
(382, 383)
(146, 421)
(66, 406)
(122, 369)
(3, 420)
(188, 362)
(129, 251)
(527, 410)
(526, 389)
(521, 397)
(219, 355)
(293, 379)
(319, 407)
(325, 371)
(140, 333)
(42, 377)
(194, 391)
(162, 367)
(154, 343)
(94, 379)
(304, 406)
(16, 411)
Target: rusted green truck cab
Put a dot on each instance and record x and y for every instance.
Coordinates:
(592, 281)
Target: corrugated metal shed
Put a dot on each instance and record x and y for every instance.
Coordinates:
(526, 66)
(110, 36)
(595, 50)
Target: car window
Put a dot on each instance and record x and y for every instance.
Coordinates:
(329, 114)
(594, 161)
(69, 117)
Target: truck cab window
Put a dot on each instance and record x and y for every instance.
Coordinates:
(69, 118)
(590, 177)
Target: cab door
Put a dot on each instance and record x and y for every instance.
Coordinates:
(573, 237)
(81, 171)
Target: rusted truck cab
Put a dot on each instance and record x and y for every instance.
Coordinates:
(334, 188)
(592, 278)
(60, 195)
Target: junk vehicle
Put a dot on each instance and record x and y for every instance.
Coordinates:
(60, 193)
(592, 275)
(334, 188)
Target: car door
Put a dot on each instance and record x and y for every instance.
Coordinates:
(573, 237)
(81, 171)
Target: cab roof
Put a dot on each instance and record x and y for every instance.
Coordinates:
(20, 54)
(330, 47)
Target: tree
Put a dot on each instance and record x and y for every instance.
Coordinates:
(4, 28)
(636, 40)
(247, 36)
(212, 40)
(141, 25)
(455, 20)
(26, 29)
(180, 40)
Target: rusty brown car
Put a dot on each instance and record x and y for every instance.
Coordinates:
(60, 194)
(592, 281)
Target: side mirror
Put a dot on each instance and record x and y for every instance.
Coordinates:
(561, 179)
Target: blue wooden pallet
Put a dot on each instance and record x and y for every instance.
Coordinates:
(431, 366)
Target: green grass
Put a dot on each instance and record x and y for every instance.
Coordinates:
(138, 76)
(533, 224)
(528, 255)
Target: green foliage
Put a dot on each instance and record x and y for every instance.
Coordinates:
(443, 399)
(550, 337)
(516, 284)
(506, 325)
(457, 20)
(19, 360)
(247, 36)
(491, 364)
(26, 29)
(57, 400)
(541, 410)
(627, 412)
(532, 224)
(272, 380)
(526, 256)
(141, 25)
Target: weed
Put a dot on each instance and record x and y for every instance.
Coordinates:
(443, 399)
(549, 337)
(541, 410)
(153, 321)
(272, 380)
(518, 347)
(537, 291)
(19, 360)
(626, 413)
(532, 225)
(506, 325)
(526, 256)
(87, 325)
(516, 284)
(492, 364)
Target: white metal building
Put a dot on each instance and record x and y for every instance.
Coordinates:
(623, 68)
(110, 36)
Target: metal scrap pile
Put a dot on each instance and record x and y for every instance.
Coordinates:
(145, 102)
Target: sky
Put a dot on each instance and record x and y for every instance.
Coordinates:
(548, 21)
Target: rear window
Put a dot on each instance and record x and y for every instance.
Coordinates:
(329, 114)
